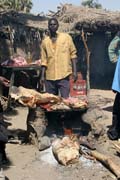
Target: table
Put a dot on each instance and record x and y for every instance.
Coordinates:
(15, 69)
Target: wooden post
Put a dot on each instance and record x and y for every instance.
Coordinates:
(11, 32)
(108, 162)
(88, 60)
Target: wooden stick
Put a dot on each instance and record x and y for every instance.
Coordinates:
(88, 59)
(117, 147)
(108, 162)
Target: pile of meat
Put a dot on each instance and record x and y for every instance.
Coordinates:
(19, 61)
(50, 102)
(32, 98)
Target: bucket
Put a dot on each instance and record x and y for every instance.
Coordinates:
(79, 87)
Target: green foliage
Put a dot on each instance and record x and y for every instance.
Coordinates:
(17, 5)
(91, 4)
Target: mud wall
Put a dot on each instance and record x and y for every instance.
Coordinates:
(21, 40)
(101, 69)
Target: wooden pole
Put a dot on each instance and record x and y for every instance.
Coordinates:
(88, 60)
(108, 162)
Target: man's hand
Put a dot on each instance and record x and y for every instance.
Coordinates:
(4, 81)
(42, 78)
(74, 69)
(75, 76)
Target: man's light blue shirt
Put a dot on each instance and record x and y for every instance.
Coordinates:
(116, 79)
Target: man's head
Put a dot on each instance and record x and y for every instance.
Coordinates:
(53, 25)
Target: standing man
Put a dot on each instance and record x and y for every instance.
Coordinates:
(58, 57)
(114, 55)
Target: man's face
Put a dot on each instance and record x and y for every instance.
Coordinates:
(53, 26)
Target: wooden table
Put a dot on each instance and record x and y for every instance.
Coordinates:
(12, 78)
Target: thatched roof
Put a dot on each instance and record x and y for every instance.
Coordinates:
(71, 18)
(90, 19)
(23, 19)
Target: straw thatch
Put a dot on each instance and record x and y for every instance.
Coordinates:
(90, 19)
(71, 18)
(23, 19)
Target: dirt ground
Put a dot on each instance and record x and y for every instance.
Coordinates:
(27, 163)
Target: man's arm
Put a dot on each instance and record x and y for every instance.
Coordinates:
(113, 49)
(43, 64)
(42, 77)
(73, 56)
(74, 68)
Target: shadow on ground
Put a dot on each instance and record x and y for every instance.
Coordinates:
(109, 108)
(17, 134)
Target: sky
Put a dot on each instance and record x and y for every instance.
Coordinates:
(46, 5)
